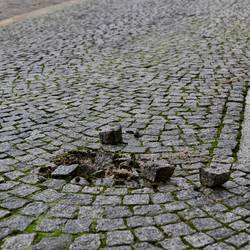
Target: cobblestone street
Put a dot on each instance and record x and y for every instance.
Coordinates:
(178, 72)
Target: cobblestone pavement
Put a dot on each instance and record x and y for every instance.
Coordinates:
(9, 8)
(176, 70)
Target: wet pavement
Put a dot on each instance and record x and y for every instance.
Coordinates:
(176, 71)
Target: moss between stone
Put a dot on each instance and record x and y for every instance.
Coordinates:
(239, 134)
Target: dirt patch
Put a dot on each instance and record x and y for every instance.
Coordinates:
(123, 169)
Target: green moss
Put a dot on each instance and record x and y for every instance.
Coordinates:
(239, 134)
(40, 235)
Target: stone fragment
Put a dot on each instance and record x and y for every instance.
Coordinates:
(212, 177)
(63, 171)
(111, 135)
(157, 171)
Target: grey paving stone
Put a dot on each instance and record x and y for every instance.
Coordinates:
(173, 244)
(62, 210)
(3, 213)
(77, 199)
(239, 225)
(77, 226)
(192, 213)
(206, 223)
(24, 190)
(199, 240)
(161, 198)
(34, 209)
(63, 171)
(239, 240)
(140, 221)
(146, 246)
(50, 225)
(5, 231)
(148, 210)
(116, 191)
(56, 184)
(92, 212)
(88, 242)
(219, 246)
(175, 206)
(117, 212)
(53, 243)
(150, 234)
(110, 224)
(47, 195)
(92, 190)
(107, 200)
(118, 248)
(227, 217)
(17, 222)
(71, 188)
(13, 203)
(31, 179)
(178, 229)
(220, 233)
(136, 199)
(163, 219)
(20, 241)
(119, 238)
(8, 185)
(14, 175)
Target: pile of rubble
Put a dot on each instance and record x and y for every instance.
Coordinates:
(123, 168)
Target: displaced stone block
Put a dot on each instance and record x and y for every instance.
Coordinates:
(157, 171)
(111, 135)
(63, 171)
(212, 177)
